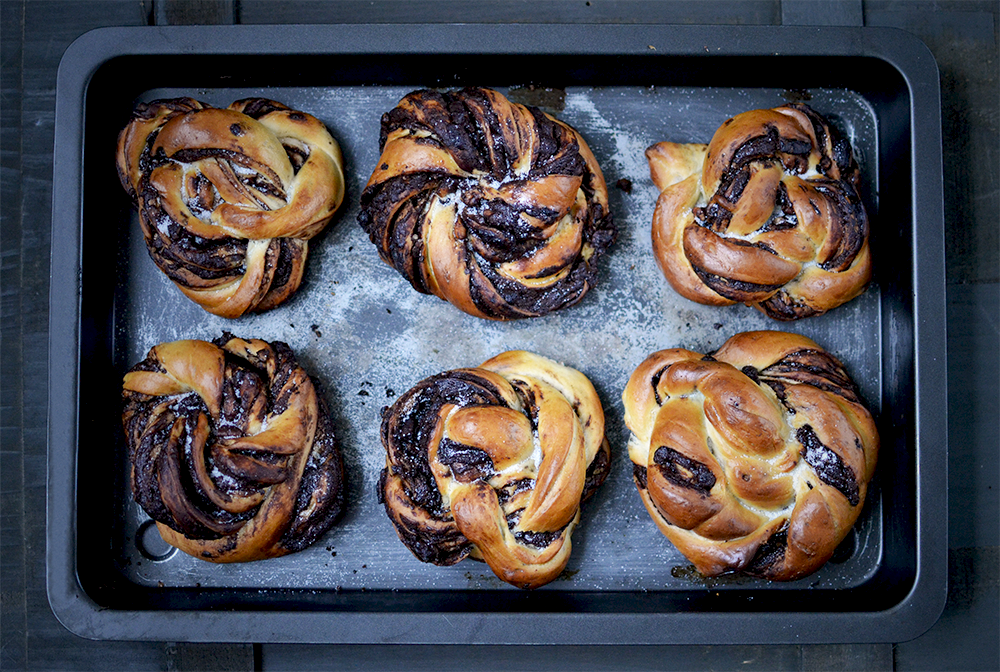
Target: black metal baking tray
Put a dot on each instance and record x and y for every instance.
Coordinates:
(367, 336)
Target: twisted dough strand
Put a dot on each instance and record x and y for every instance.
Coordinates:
(498, 208)
(493, 462)
(231, 450)
(756, 458)
(228, 198)
(767, 214)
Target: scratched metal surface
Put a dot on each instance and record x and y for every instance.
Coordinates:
(367, 336)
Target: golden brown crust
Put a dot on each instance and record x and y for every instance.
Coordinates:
(231, 449)
(497, 208)
(229, 198)
(754, 459)
(767, 214)
(493, 462)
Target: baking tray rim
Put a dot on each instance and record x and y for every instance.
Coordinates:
(911, 616)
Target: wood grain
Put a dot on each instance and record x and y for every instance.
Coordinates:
(34, 35)
(12, 556)
(751, 12)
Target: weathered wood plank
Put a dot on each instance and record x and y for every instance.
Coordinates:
(744, 12)
(857, 658)
(194, 12)
(822, 13)
(12, 561)
(34, 640)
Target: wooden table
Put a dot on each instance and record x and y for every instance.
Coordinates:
(962, 34)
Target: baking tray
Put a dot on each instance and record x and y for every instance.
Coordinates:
(367, 336)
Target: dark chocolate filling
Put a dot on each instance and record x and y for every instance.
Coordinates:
(639, 474)
(597, 472)
(681, 470)
(189, 260)
(467, 463)
(246, 390)
(849, 229)
(782, 306)
(409, 426)
(512, 488)
(752, 373)
(828, 465)
(784, 216)
(654, 382)
(735, 290)
(813, 367)
(321, 486)
(537, 539)
(851, 224)
(494, 232)
(769, 554)
(258, 107)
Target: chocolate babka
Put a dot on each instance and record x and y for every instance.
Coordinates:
(753, 459)
(492, 463)
(231, 449)
(229, 198)
(767, 214)
(495, 207)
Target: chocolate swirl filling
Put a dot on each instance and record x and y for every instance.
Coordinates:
(499, 174)
(494, 461)
(200, 465)
(775, 221)
(228, 198)
(755, 458)
(409, 426)
(683, 471)
(817, 368)
(769, 554)
(828, 465)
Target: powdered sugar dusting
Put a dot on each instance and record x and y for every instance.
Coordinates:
(366, 336)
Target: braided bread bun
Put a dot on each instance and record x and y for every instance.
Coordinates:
(767, 214)
(756, 458)
(231, 449)
(492, 463)
(498, 208)
(229, 198)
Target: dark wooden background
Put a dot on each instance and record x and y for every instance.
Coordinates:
(963, 36)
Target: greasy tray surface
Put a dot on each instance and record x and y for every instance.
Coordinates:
(367, 337)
